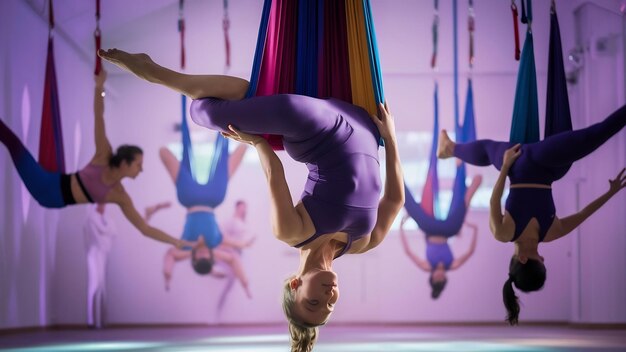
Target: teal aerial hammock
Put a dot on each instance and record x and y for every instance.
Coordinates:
(51, 153)
(525, 123)
(319, 48)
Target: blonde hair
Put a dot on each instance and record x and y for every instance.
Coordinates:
(302, 335)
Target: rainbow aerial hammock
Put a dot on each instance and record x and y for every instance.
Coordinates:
(51, 152)
(525, 122)
(319, 48)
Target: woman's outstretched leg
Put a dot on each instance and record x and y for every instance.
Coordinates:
(10, 140)
(566, 147)
(42, 185)
(193, 86)
(482, 152)
(295, 117)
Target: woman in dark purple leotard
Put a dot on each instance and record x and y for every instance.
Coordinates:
(530, 216)
(340, 210)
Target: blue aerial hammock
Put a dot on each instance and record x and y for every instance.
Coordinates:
(319, 48)
(188, 190)
(420, 212)
(426, 213)
(525, 122)
(51, 152)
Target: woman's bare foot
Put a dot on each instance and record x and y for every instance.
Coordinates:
(445, 147)
(139, 64)
(476, 181)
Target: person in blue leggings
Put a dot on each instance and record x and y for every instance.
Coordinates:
(530, 216)
(200, 201)
(439, 256)
(98, 182)
(341, 210)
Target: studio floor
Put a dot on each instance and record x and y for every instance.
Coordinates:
(333, 338)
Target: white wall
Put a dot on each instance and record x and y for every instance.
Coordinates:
(379, 286)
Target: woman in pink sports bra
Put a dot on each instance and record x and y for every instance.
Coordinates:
(98, 182)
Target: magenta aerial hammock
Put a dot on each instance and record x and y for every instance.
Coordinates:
(45, 179)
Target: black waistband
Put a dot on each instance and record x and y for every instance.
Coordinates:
(66, 189)
(82, 188)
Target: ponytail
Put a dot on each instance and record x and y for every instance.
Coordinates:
(302, 338)
(511, 302)
(301, 335)
(527, 277)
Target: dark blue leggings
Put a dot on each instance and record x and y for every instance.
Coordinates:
(43, 185)
(448, 227)
(548, 160)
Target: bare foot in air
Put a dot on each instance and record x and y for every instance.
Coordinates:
(445, 148)
(139, 64)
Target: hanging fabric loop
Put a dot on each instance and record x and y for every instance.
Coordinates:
(50, 19)
(527, 13)
(435, 35)
(98, 40)
(181, 30)
(51, 151)
(471, 27)
(515, 30)
(226, 27)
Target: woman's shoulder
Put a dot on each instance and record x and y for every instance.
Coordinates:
(102, 157)
(359, 245)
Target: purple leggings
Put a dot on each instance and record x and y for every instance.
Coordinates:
(548, 160)
(336, 140)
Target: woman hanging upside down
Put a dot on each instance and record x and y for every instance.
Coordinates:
(439, 257)
(530, 215)
(98, 182)
(340, 210)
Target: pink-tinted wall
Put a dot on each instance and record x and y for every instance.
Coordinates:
(42, 270)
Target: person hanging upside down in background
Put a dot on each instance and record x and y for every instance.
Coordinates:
(439, 257)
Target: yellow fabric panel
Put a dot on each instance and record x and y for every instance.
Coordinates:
(360, 72)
